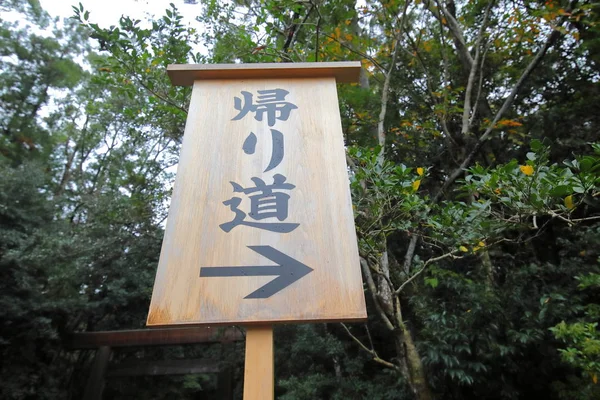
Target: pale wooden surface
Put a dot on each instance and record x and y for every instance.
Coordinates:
(186, 74)
(211, 157)
(259, 383)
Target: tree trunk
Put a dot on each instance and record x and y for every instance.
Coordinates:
(488, 268)
(384, 290)
(414, 366)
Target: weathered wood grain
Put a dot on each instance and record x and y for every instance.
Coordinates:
(325, 240)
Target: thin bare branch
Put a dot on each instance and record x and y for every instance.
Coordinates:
(318, 29)
(295, 28)
(386, 88)
(572, 221)
(357, 52)
(158, 95)
(431, 260)
(473, 72)
(505, 106)
(480, 85)
(446, 83)
(372, 352)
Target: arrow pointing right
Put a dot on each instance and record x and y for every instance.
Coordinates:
(288, 269)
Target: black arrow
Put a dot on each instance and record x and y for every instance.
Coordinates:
(288, 269)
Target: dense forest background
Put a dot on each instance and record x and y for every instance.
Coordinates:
(474, 159)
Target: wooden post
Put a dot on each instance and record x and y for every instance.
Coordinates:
(259, 381)
(95, 384)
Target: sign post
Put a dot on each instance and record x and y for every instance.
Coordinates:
(259, 373)
(260, 228)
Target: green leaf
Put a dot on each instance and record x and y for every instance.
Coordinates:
(561, 190)
(536, 145)
(433, 282)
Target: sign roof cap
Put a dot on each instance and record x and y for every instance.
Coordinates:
(186, 74)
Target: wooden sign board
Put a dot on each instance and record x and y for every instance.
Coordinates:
(261, 227)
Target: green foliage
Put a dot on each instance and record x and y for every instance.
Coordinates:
(504, 221)
(583, 338)
(384, 198)
(314, 361)
(474, 333)
(135, 68)
(32, 65)
(537, 188)
(83, 193)
(585, 342)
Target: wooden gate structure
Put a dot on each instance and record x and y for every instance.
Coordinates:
(105, 342)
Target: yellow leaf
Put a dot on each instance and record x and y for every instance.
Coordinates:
(508, 122)
(476, 248)
(420, 171)
(463, 249)
(427, 46)
(595, 379)
(526, 169)
(569, 202)
(416, 184)
(481, 244)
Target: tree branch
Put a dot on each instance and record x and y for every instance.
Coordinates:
(373, 289)
(410, 253)
(357, 52)
(456, 32)
(295, 28)
(386, 87)
(431, 260)
(505, 106)
(479, 86)
(372, 352)
(466, 126)
(318, 29)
